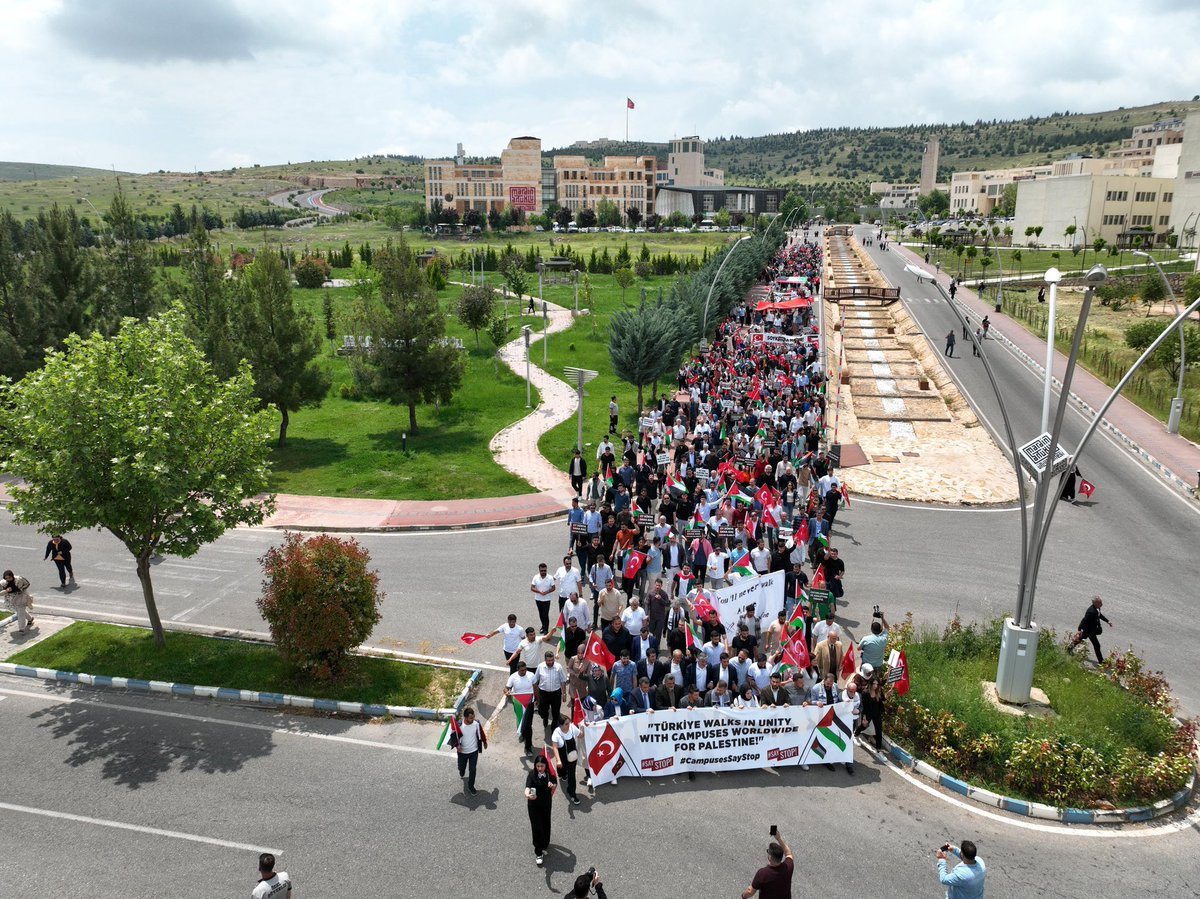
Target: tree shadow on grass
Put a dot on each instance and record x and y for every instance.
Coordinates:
(134, 749)
(304, 453)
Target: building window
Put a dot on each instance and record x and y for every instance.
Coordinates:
(1114, 220)
(1116, 196)
(1168, 197)
(772, 202)
(1162, 220)
(1145, 196)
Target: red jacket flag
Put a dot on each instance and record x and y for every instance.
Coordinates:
(1087, 488)
(598, 652)
(633, 564)
(470, 638)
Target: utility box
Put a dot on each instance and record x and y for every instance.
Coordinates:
(1018, 653)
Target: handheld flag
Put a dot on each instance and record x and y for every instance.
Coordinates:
(1086, 487)
(633, 564)
(562, 638)
(899, 675)
(673, 484)
(795, 650)
(818, 581)
(598, 652)
(702, 606)
(802, 532)
(768, 517)
(848, 665)
(797, 620)
(520, 704)
(765, 496)
(550, 763)
(577, 713)
(691, 638)
(846, 496)
(470, 638)
(741, 564)
(450, 728)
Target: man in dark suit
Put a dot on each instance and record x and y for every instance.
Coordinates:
(652, 668)
(642, 699)
(774, 694)
(670, 694)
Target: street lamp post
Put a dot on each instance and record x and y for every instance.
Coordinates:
(579, 377)
(545, 331)
(526, 330)
(1177, 403)
(716, 277)
(1053, 276)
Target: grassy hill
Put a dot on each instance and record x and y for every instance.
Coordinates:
(36, 171)
(894, 153)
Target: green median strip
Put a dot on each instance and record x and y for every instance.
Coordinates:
(90, 647)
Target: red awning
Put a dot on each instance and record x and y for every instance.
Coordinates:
(794, 303)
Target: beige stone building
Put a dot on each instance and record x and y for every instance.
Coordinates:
(686, 168)
(516, 182)
(1115, 207)
(977, 193)
(626, 181)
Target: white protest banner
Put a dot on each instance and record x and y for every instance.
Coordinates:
(765, 591)
(676, 741)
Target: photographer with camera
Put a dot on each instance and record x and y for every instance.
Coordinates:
(966, 880)
(872, 649)
(585, 883)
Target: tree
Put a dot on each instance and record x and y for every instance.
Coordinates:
(472, 218)
(1069, 232)
(18, 317)
(653, 221)
(330, 323)
(971, 252)
(498, 330)
(410, 362)
(1016, 255)
(934, 204)
(311, 271)
(62, 277)
(1152, 290)
(586, 218)
(476, 306)
(633, 215)
(279, 340)
(204, 293)
(512, 269)
(640, 344)
(127, 285)
(494, 219)
(136, 435)
(607, 214)
(1141, 334)
(563, 218)
(320, 600)
(1006, 206)
(624, 278)
(723, 218)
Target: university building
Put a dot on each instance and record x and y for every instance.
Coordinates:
(626, 181)
(516, 182)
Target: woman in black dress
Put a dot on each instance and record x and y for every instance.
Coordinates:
(539, 790)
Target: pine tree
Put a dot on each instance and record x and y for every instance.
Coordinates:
(640, 345)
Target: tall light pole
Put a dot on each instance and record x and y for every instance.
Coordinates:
(1053, 276)
(579, 377)
(545, 331)
(526, 330)
(716, 277)
(1177, 403)
(100, 223)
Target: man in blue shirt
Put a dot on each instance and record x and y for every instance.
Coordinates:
(966, 880)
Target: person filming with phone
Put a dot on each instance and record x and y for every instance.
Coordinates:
(965, 881)
(775, 880)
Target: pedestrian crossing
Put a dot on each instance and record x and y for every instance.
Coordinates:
(924, 299)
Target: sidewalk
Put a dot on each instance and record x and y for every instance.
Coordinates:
(1173, 457)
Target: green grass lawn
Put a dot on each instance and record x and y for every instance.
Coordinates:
(90, 647)
(1034, 261)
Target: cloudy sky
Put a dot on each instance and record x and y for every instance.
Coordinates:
(184, 84)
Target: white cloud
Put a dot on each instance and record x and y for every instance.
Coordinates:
(301, 79)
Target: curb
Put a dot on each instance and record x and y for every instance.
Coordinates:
(1037, 809)
(417, 528)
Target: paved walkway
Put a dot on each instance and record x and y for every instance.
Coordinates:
(1174, 457)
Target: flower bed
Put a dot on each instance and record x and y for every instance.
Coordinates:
(1115, 741)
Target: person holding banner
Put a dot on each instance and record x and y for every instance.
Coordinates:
(539, 791)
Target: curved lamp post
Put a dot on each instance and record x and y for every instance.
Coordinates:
(704, 322)
(1177, 403)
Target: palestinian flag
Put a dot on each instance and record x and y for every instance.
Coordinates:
(451, 727)
(823, 540)
(834, 729)
(797, 620)
(673, 484)
(738, 496)
(846, 496)
(741, 564)
(608, 478)
(561, 627)
(470, 638)
(691, 637)
(669, 436)
(633, 565)
(817, 749)
(634, 508)
(848, 664)
(520, 704)
(722, 436)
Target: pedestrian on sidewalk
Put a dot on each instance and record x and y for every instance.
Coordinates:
(539, 791)
(950, 343)
(613, 415)
(59, 549)
(953, 287)
(1068, 491)
(986, 324)
(966, 328)
(541, 587)
(471, 741)
(17, 597)
(1042, 294)
(1090, 628)
(578, 472)
(512, 641)
(978, 340)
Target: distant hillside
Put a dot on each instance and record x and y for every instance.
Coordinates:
(894, 154)
(35, 171)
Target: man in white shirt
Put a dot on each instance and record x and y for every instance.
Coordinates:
(520, 684)
(576, 608)
(542, 587)
(760, 557)
(634, 616)
(471, 741)
(605, 445)
(532, 647)
(570, 580)
(821, 629)
(716, 569)
(512, 639)
(272, 884)
(547, 687)
(759, 672)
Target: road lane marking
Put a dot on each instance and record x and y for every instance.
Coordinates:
(53, 699)
(925, 507)
(136, 828)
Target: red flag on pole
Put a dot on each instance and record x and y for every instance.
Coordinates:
(765, 495)
(629, 104)
(550, 763)
(818, 581)
(577, 715)
(702, 606)
(846, 496)
(598, 652)
(470, 638)
(848, 665)
(802, 532)
(795, 650)
(902, 683)
(633, 564)
(1087, 488)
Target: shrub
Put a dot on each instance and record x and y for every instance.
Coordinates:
(311, 271)
(319, 599)
(1064, 773)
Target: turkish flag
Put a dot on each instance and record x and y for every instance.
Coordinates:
(702, 606)
(633, 564)
(765, 495)
(818, 581)
(848, 665)
(577, 714)
(606, 749)
(628, 103)
(470, 638)
(1087, 488)
(795, 650)
(598, 652)
(802, 532)
(902, 684)
(768, 517)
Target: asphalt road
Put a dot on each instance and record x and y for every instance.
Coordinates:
(355, 809)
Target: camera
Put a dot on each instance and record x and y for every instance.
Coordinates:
(592, 871)
(876, 613)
